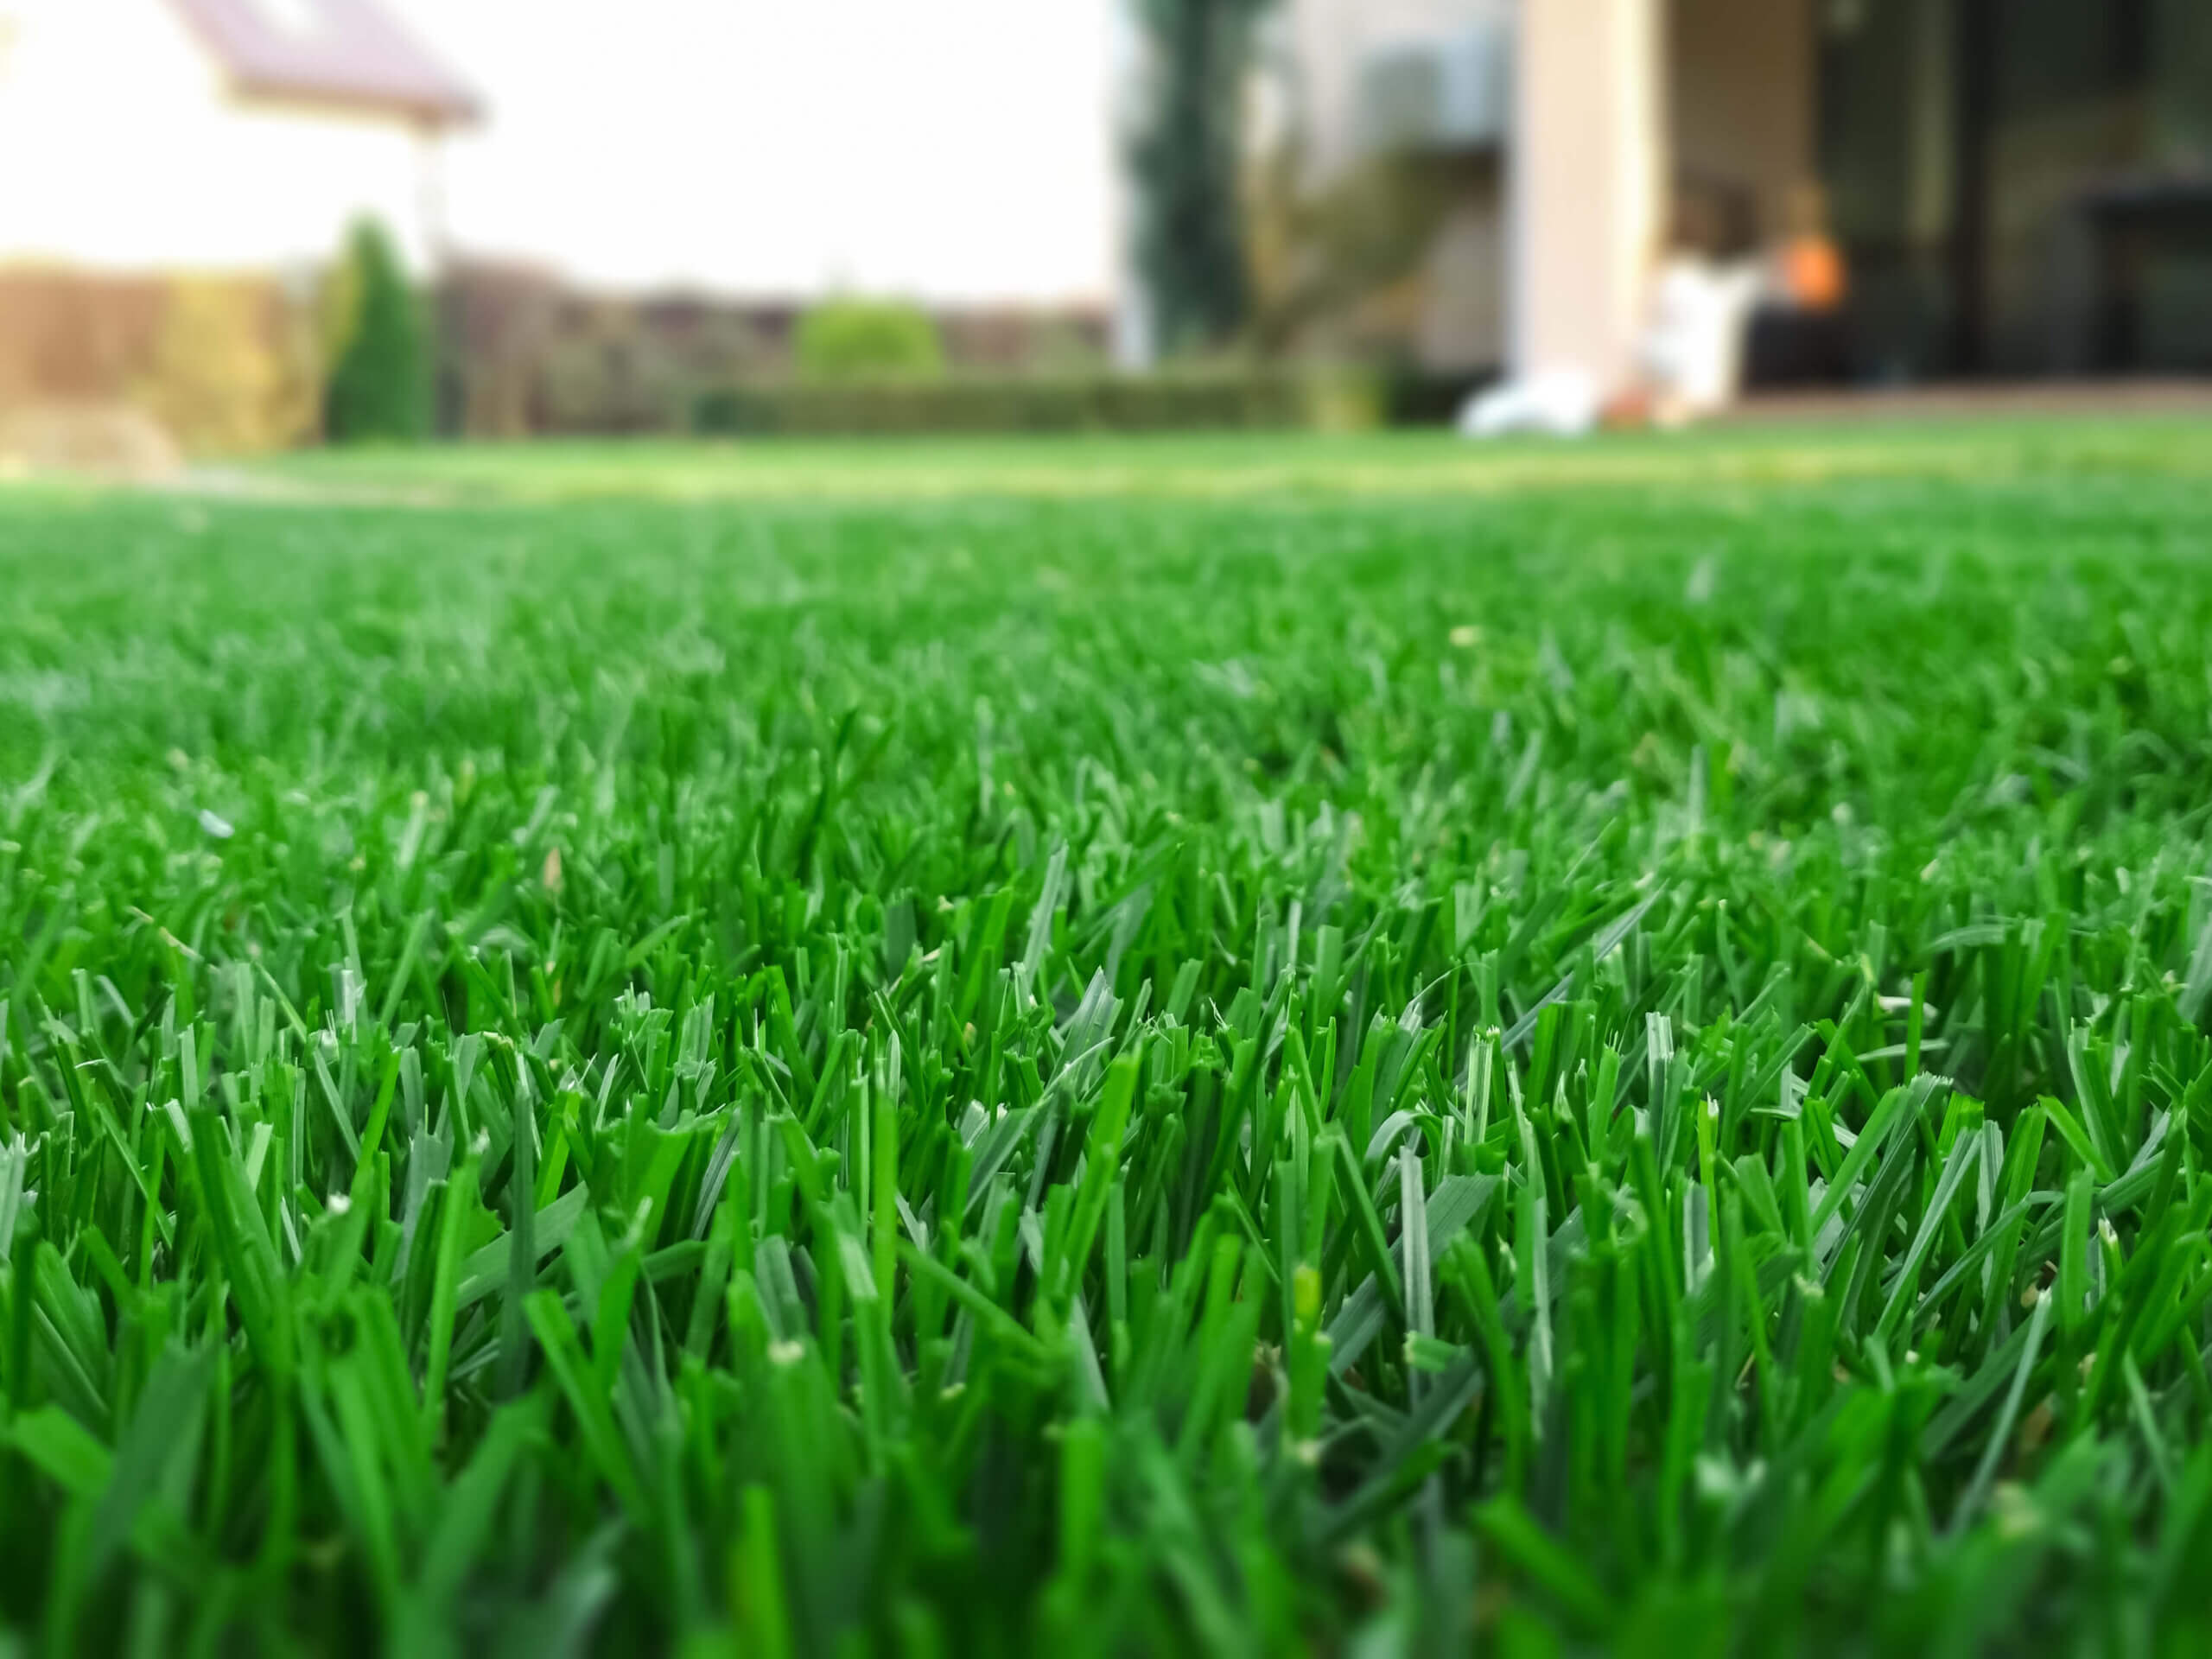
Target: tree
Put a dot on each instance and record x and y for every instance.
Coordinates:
(1185, 159)
(379, 385)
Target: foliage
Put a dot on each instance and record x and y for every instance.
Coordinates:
(1186, 161)
(852, 339)
(1323, 255)
(379, 383)
(232, 369)
(1246, 398)
(1490, 1059)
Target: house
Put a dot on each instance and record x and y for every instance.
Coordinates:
(215, 134)
(2017, 186)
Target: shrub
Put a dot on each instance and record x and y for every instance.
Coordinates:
(379, 385)
(844, 340)
(1223, 399)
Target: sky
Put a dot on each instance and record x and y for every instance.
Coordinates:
(943, 149)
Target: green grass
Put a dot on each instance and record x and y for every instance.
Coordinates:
(1237, 466)
(1235, 1047)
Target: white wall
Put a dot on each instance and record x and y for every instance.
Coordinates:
(120, 150)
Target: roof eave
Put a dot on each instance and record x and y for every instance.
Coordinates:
(441, 113)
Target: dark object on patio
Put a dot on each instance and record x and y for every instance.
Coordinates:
(1789, 347)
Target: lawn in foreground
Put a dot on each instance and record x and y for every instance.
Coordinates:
(1609, 1055)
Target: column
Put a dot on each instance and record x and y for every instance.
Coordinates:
(1588, 169)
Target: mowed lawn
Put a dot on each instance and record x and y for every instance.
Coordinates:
(1365, 1046)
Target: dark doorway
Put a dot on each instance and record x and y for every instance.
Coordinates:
(2022, 187)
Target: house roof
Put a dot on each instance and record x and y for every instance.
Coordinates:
(349, 53)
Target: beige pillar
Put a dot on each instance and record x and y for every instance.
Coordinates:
(1589, 169)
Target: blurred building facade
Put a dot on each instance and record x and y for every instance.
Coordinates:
(2016, 186)
(1456, 187)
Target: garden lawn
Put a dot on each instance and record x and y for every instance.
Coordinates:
(1228, 1046)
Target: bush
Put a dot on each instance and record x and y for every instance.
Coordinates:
(1190, 400)
(232, 371)
(379, 385)
(844, 339)
(1416, 396)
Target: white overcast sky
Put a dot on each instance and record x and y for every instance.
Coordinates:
(940, 149)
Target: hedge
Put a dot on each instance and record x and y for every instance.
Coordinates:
(1183, 400)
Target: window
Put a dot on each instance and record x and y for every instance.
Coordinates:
(291, 17)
